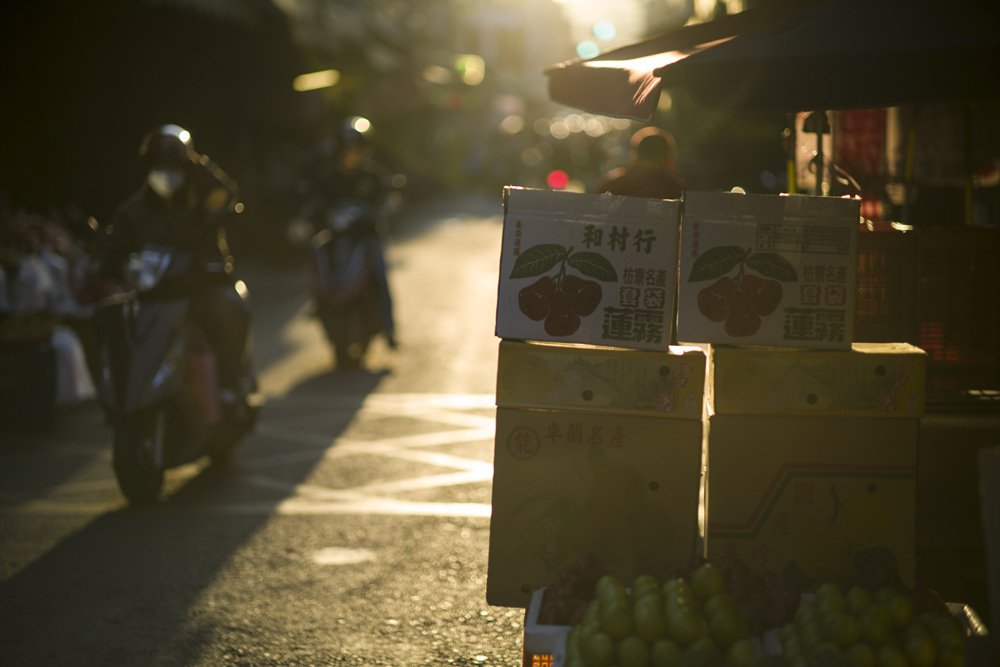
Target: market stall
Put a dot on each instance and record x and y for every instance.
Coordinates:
(807, 508)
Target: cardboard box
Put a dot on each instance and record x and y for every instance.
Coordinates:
(812, 497)
(586, 268)
(768, 270)
(619, 483)
(602, 379)
(875, 379)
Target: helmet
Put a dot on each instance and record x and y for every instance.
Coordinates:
(167, 145)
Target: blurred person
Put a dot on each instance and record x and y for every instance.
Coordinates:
(183, 205)
(349, 197)
(651, 170)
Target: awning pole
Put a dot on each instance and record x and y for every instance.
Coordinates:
(820, 122)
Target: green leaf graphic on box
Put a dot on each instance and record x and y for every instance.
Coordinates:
(716, 262)
(772, 265)
(538, 259)
(593, 265)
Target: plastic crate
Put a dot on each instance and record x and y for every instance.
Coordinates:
(936, 288)
(958, 311)
(886, 306)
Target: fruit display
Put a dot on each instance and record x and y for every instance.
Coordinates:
(724, 616)
(860, 627)
(652, 622)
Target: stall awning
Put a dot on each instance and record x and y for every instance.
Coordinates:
(848, 54)
(834, 54)
(623, 82)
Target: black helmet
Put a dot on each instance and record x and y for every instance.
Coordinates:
(167, 145)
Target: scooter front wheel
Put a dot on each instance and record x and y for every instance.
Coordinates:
(138, 457)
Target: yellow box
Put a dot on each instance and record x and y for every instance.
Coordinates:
(827, 495)
(620, 484)
(602, 379)
(873, 379)
(803, 497)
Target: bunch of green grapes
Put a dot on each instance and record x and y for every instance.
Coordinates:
(864, 629)
(679, 622)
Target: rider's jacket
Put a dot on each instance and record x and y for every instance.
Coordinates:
(191, 220)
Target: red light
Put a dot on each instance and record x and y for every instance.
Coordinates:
(557, 179)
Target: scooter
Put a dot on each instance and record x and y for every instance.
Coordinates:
(348, 276)
(157, 380)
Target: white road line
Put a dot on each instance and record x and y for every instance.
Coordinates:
(311, 499)
(387, 506)
(289, 507)
(428, 482)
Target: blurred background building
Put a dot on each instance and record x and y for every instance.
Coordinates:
(454, 89)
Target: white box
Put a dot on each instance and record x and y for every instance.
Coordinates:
(768, 270)
(586, 268)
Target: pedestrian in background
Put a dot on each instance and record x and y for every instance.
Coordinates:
(651, 170)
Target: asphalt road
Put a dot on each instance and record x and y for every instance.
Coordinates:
(352, 527)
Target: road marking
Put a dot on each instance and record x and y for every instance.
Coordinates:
(342, 556)
(453, 415)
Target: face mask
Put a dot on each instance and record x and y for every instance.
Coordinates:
(165, 182)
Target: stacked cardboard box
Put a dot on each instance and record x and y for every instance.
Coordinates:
(811, 441)
(812, 461)
(599, 421)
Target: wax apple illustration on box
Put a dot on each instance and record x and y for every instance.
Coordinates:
(561, 298)
(743, 299)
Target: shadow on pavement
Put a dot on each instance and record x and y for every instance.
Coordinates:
(124, 587)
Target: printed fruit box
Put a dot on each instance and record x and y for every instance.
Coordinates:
(871, 379)
(587, 268)
(619, 486)
(767, 270)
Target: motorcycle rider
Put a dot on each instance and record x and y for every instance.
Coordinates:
(183, 205)
(352, 176)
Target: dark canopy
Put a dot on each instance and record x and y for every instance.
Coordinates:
(846, 54)
(832, 54)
